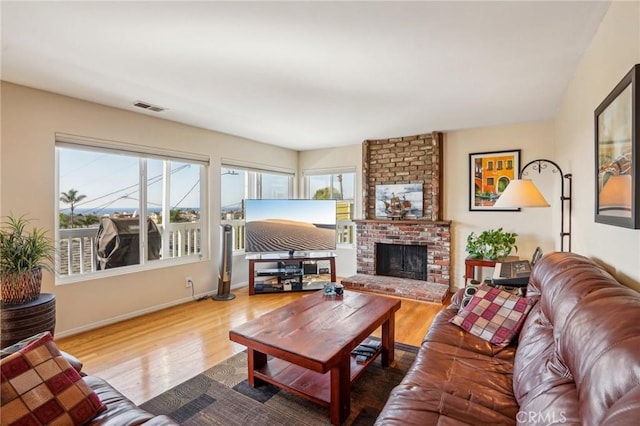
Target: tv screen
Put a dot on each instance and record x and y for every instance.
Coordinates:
(289, 225)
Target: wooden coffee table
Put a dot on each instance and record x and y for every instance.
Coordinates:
(310, 341)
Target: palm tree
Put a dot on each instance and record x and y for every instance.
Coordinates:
(71, 197)
(88, 219)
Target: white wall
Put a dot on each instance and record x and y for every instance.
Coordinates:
(535, 227)
(612, 53)
(30, 119)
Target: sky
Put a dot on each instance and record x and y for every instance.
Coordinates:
(110, 181)
(274, 186)
(233, 190)
(233, 187)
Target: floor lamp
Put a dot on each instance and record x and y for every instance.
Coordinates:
(524, 193)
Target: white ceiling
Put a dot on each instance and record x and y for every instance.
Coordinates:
(306, 75)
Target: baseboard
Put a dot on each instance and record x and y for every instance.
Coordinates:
(129, 315)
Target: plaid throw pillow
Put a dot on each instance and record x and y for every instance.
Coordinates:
(40, 387)
(493, 315)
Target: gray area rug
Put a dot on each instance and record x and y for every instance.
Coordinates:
(222, 396)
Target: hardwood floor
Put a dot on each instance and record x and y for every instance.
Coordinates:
(145, 356)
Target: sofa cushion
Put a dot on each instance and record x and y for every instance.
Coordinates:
(39, 386)
(456, 379)
(494, 315)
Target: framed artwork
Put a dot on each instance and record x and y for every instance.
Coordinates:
(616, 143)
(489, 175)
(399, 201)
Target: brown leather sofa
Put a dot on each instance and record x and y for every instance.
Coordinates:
(120, 410)
(577, 360)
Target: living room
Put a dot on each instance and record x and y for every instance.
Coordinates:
(31, 119)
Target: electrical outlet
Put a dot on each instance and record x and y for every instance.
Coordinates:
(188, 282)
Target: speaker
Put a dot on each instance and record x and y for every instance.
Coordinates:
(310, 268)
(469, 290)
(226, 258)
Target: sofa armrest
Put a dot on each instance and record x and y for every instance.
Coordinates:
(120, 410)
(456, 299)
(75, 362)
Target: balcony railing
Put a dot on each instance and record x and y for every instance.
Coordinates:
(346, 230)
(77, 247)
(77, 254)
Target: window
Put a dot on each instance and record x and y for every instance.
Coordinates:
(107, 195)
(489, 165)
(238, 183)
(339, 185)
(500, 164)
(509, 164)
(490, 181)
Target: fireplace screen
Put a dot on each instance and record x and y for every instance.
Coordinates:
(402, 261)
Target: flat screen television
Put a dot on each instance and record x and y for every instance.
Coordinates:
(289, 225)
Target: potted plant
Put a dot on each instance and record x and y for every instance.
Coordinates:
(23, 254)
(491, 244)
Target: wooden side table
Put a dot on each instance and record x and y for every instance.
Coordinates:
(470, 265)
(18, 322)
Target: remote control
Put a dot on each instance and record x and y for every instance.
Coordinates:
(371, 345)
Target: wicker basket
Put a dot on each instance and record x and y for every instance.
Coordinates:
(22, 288)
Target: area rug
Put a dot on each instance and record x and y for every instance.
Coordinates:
(222, 396)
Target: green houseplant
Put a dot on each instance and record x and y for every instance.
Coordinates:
(23, 255)
(491, 244)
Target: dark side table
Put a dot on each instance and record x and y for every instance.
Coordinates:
(18, 322)
(470, 265)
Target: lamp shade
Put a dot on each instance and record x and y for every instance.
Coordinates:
(521, 193)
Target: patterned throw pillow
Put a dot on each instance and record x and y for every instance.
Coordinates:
(21, 344)
(40, 387)
(494, 315)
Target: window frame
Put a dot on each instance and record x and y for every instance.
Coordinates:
(143, 153)
(254, 180)
(332, 172)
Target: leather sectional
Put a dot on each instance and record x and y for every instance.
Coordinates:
(577, 359)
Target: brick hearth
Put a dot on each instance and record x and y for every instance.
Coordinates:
(401, 287)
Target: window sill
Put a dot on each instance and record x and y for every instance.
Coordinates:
(125, 270)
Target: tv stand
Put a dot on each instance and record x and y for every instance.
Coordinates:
(287, 273)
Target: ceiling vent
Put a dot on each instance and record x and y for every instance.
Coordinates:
(148, 106)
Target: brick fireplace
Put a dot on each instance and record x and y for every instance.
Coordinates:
(410, 159)
(434, 236)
